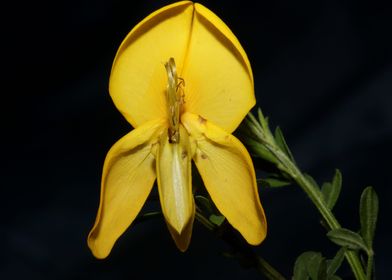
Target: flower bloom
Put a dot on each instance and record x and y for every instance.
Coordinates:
(183, 81)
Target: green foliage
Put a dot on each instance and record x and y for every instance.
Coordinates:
(322, 270)
(331, 191)
(217, 219)
(281, 142)
(265, 154)
(301, 266)
(253, 132)
(206, 206)
(313, 266)
(273, 182)
(348, 239)
(263, 122)
(334, 264)
(148, 216)
(311, 181)
(317, 268)
(368, 211)
(310, 265)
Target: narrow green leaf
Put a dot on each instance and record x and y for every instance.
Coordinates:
(313, 265)
(331, 191)
(281, 142)
(322, 271)
(263, 121)
(335, 263)
(251, 118)
(266, 123)
(204, 204)
(335, 277)
(264, 153)
(368, 211)
(148, 216)
(217, 219)
(307, 265)
(347, 238)
(337, 180)
(300, 268)
(254, 127)
(273, 182)
(311, 180)
(326, 188)
(251, 141)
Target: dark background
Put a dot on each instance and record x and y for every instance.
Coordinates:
(323, 72)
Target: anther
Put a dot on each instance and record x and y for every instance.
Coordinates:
(174, 96)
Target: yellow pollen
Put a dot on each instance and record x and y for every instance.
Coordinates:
(175, 98)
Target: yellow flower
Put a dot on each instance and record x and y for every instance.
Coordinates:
(182, 79)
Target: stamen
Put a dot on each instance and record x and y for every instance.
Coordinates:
(174, 95)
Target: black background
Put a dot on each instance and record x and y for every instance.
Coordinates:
(323, 72)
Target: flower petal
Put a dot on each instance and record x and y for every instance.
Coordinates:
(127, 179)
(228, 174)
(138, 79)
(183, 239)
(175, 186)
(217, 73)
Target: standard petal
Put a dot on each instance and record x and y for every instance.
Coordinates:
(138, 79)
(175, 186)
(127, 179)
(217, 73)
(228, 174)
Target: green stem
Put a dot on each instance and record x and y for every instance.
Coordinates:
(268, 271)
(316, 197)
(204, 221)
(318, 201)
(284, 163)
(369, 267)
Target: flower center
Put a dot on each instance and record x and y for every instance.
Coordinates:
(175, 99)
